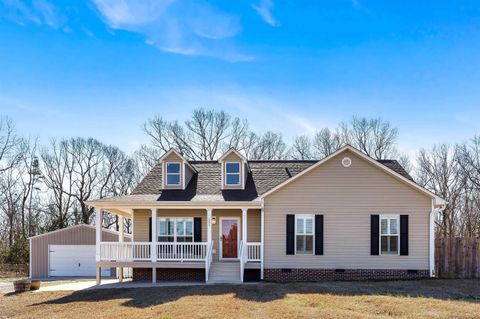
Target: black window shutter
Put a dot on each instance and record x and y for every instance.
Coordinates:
(290, 234)
(404, 235)
(374, 234)
(150, 229)
(318, 234)
(197, 229)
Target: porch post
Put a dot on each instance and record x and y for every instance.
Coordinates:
(209, 225)
(98, 240)
(153, 249)
(98, 232)
(262, 236)
(120, 239)
(244, 225)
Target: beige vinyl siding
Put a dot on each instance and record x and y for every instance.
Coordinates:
(253, 225)
(141, 225)
(141, 229)
(232, 157)
(81, 235)
(346, 197)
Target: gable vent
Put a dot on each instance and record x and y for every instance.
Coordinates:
(346, 162)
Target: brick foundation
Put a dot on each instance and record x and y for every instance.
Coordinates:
(285, 275)
(169, 274)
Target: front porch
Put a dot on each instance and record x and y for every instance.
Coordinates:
(188, 239)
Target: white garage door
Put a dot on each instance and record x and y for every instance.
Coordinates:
(73, 260)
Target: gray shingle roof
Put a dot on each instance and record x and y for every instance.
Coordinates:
(264, 176)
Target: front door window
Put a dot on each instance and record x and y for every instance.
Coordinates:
(229, 238)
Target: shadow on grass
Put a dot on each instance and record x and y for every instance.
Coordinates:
(465, 290)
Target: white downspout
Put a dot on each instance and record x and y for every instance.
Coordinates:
(98, 241)
(432, 238)
(262, 241)
(30, 262)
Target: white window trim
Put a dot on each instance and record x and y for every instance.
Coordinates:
(239, 173)
(397, 217)
(312, 216)
(175, 228)
(179, 173)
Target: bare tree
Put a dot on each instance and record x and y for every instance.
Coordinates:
(301, 148)
(374, 137)
(58, 177)
(327, 142)
(145, 158)
(269, 146)
(203, 137)
(469, 159)
(27, 150)
(438, 170)
(8, 144)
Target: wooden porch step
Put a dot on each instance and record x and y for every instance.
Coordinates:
(224, 272)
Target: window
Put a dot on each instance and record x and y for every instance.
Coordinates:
(166, 228)
(184, 229)
(232, 176)
(304, 234)
(173, 173)
(389, 235)
(175, 229)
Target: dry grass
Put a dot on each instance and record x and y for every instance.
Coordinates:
(400, 299)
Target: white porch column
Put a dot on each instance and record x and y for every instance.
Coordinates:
(244, 225)
(98, 240)
(153, 249)
(262, 240)
(120, 239)
(209, 225)
(98, 232)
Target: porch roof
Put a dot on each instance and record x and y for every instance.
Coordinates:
(124, 205)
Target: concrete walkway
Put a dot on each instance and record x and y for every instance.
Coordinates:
(110, 284)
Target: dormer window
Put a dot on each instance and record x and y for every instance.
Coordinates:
(173, 174)
(235, 170)
(232, 173)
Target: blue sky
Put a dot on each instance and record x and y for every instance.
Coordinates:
(102, 67)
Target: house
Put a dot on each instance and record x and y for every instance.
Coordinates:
(68, 252)
(346, 216)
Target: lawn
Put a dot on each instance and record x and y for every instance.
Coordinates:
(399, 299)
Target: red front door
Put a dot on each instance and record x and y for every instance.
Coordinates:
(229, 238)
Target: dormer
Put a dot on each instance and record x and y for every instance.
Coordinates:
(176, 170)
(234, 170)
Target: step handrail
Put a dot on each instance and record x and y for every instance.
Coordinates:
(208, 260)
(243, 258)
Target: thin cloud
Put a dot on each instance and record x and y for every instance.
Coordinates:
(39, 12)
(265, 112)
(194, 29)
(356, 4)
(264, 9)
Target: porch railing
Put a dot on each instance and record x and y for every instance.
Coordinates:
(254, 251)
(140, 251)
(132, 251)
(182, 251)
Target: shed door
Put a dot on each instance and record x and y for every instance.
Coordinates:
(73, 260)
